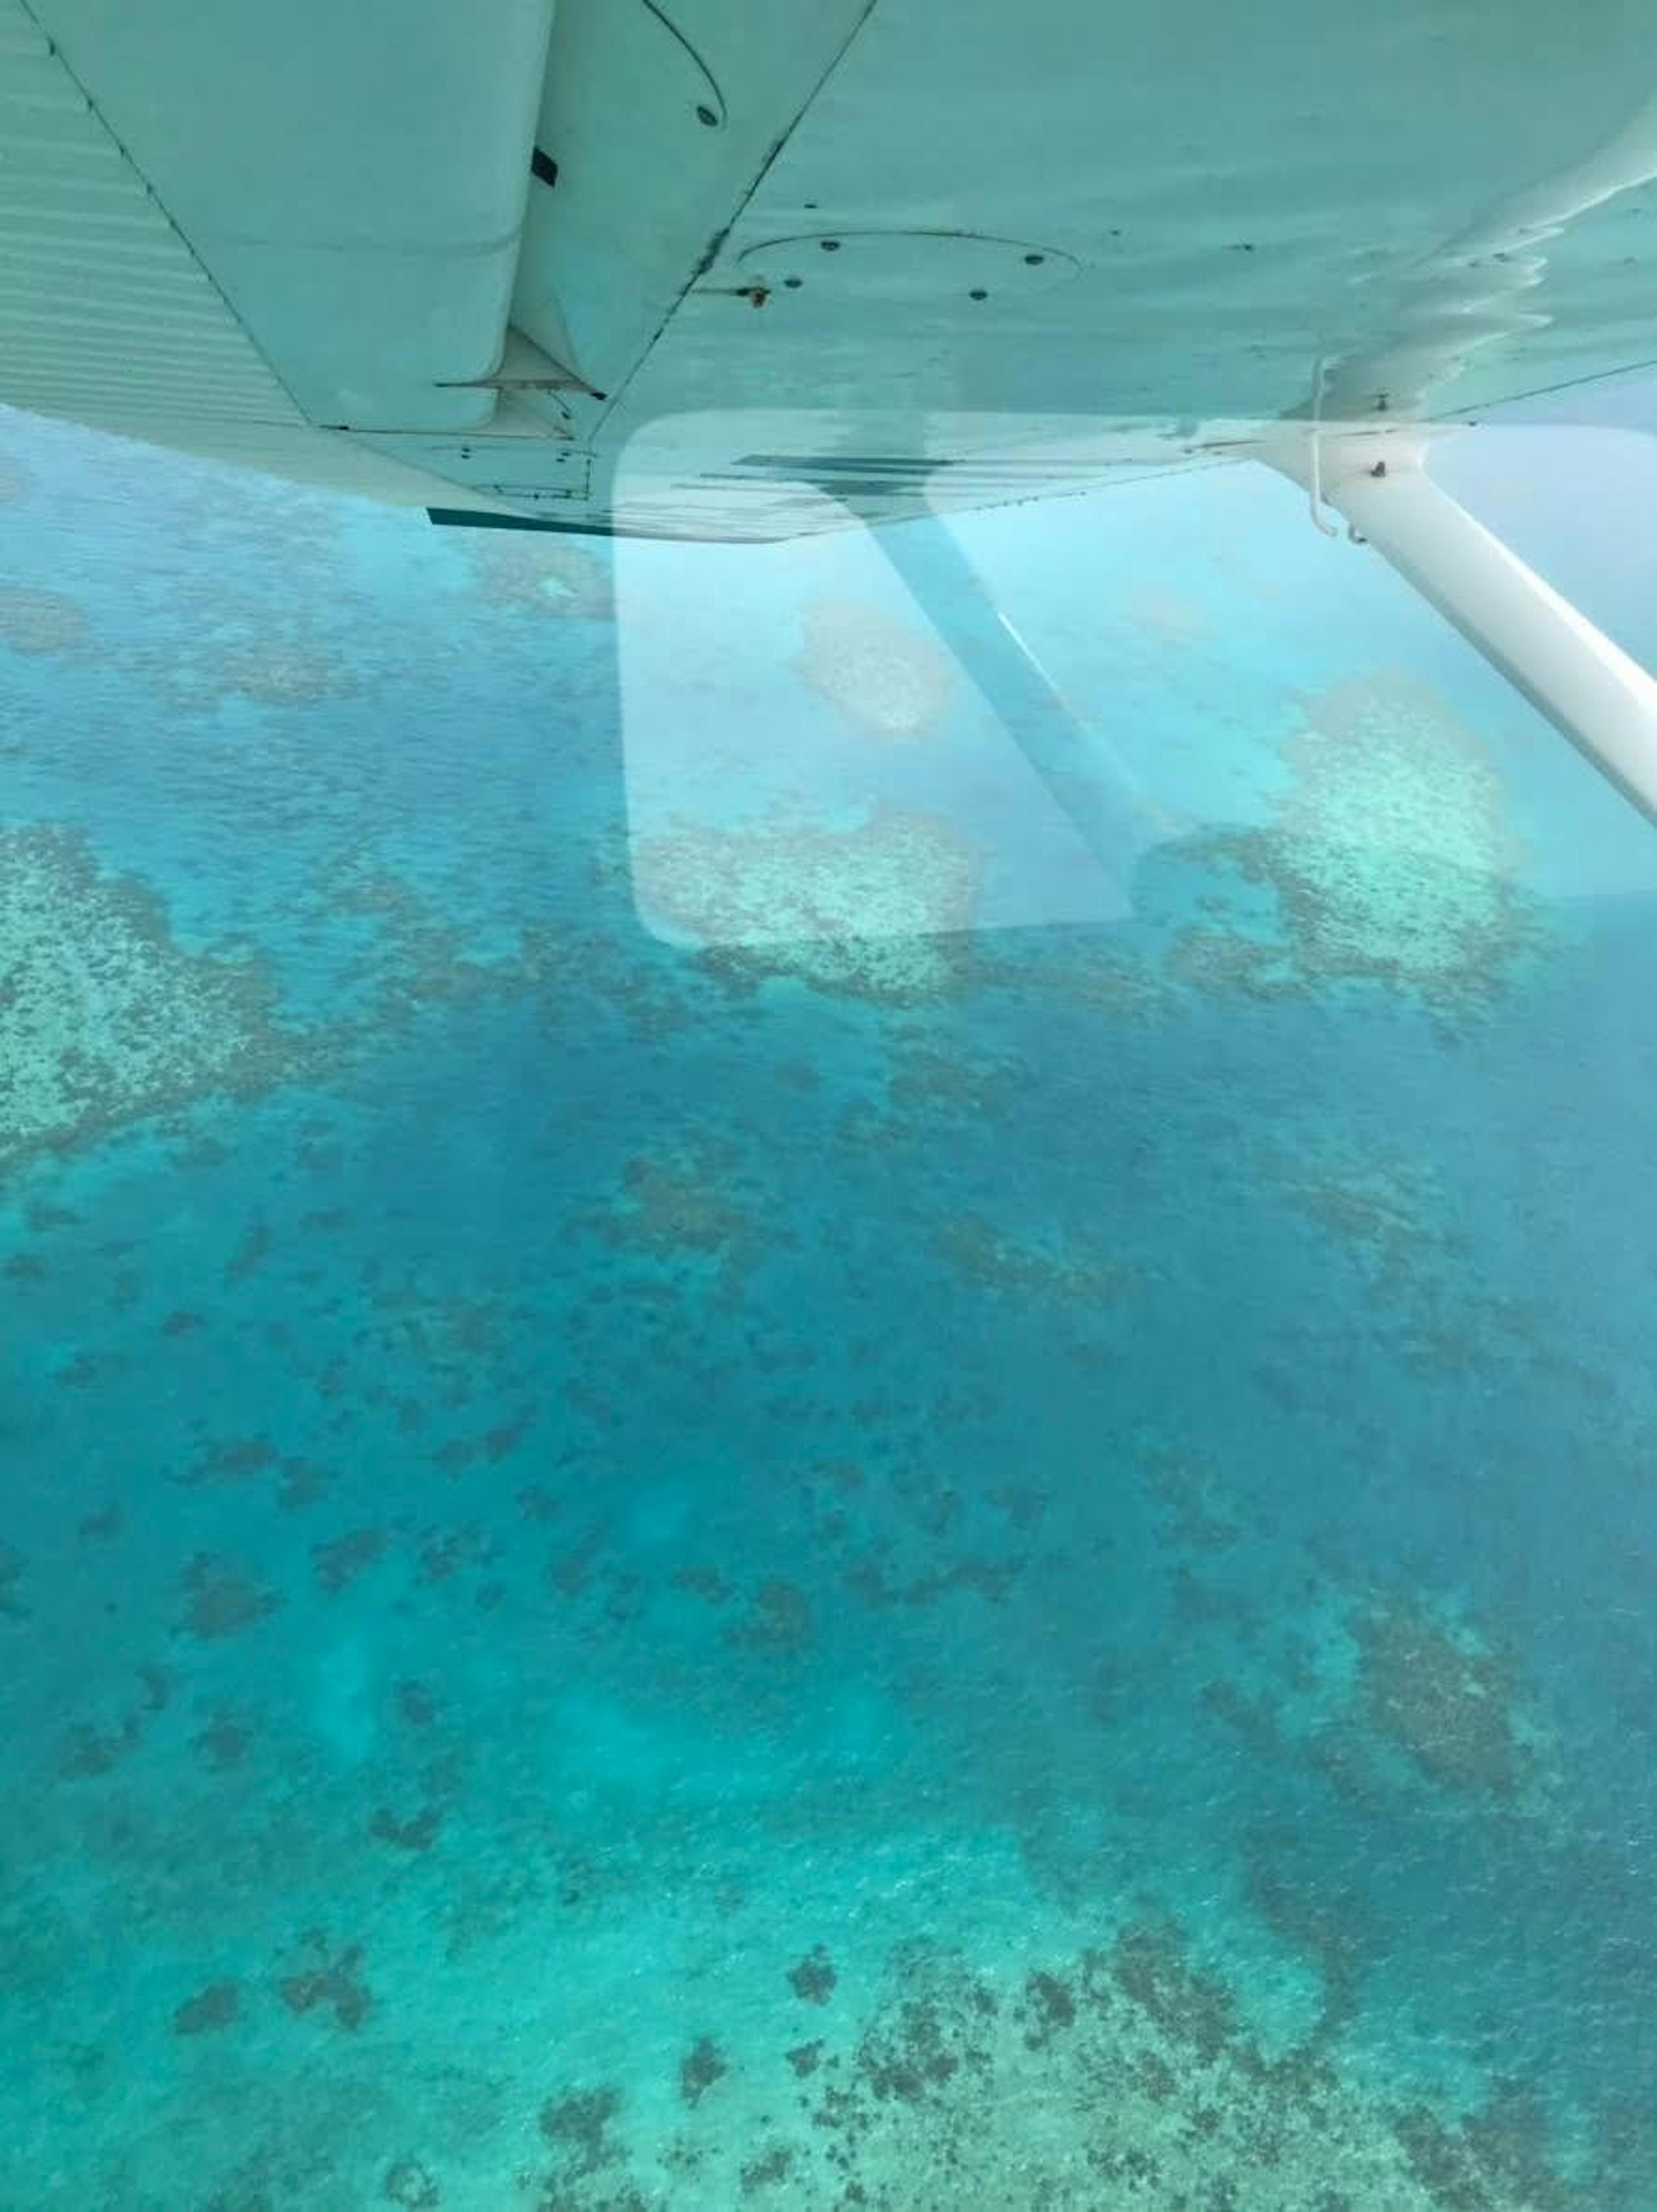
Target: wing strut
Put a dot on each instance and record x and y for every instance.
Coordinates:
(1605, 702)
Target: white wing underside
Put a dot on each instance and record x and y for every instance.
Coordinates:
(686, 268)
(696, 269)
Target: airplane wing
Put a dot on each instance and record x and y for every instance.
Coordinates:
(682, 267)
(660, 266)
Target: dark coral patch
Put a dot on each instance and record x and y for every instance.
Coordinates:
(338, 1563)
(812, 1980)
(334, 1984)
(215, 2006)
(221, 1600)
(409, 2184)
(703, 2065)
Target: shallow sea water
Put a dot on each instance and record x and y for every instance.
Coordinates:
(772, 1436)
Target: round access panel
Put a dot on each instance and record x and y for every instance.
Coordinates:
(907, 266)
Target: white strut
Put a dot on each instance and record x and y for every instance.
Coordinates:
(1603, 701)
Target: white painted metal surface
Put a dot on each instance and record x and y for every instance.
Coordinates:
(661, 119)
(353, 178)
(1493, 288)
(1603, 701)
(1156, 221)
(105, 312)
(709, 270)
(1243, 193)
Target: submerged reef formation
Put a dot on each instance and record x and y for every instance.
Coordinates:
(103, 1018)
(523, 571)
(1128, 2075)
(867, 913)
(688, 1202)
(1394, 1218)
(247, 659)
(1407, 1703)
(1390, 861)
(887, 678)
(106, 1020)
(1433, 1687)
(411, 954)
(1387, 1211)
(1170, 616)
(35, 621)
(276, 671)
(1067, 1268)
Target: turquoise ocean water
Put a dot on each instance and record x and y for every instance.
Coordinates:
(803, 1403)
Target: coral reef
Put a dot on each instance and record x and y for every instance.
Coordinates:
(524, 573)
(1431, 1686)
(243, 656)
(222, 1598)
(1392, 1213)
(35, 621)
(812, 1980)
(413, 956)
(702, 2066)
(778, 1619)
(12, 1606)
(219, 2005)
(577, 2124)
(889, 677)
(1199, 1512)
(1397, 1698)
(277, 671)
(675, 1203)
(103, 1019)
(1063, 1268)
(330, 1981)
(408, 2185)
(1127, 2074)
(865, 913)
(691, 1206)
(224, 1742)
(1166, 615)
(1389, 862)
